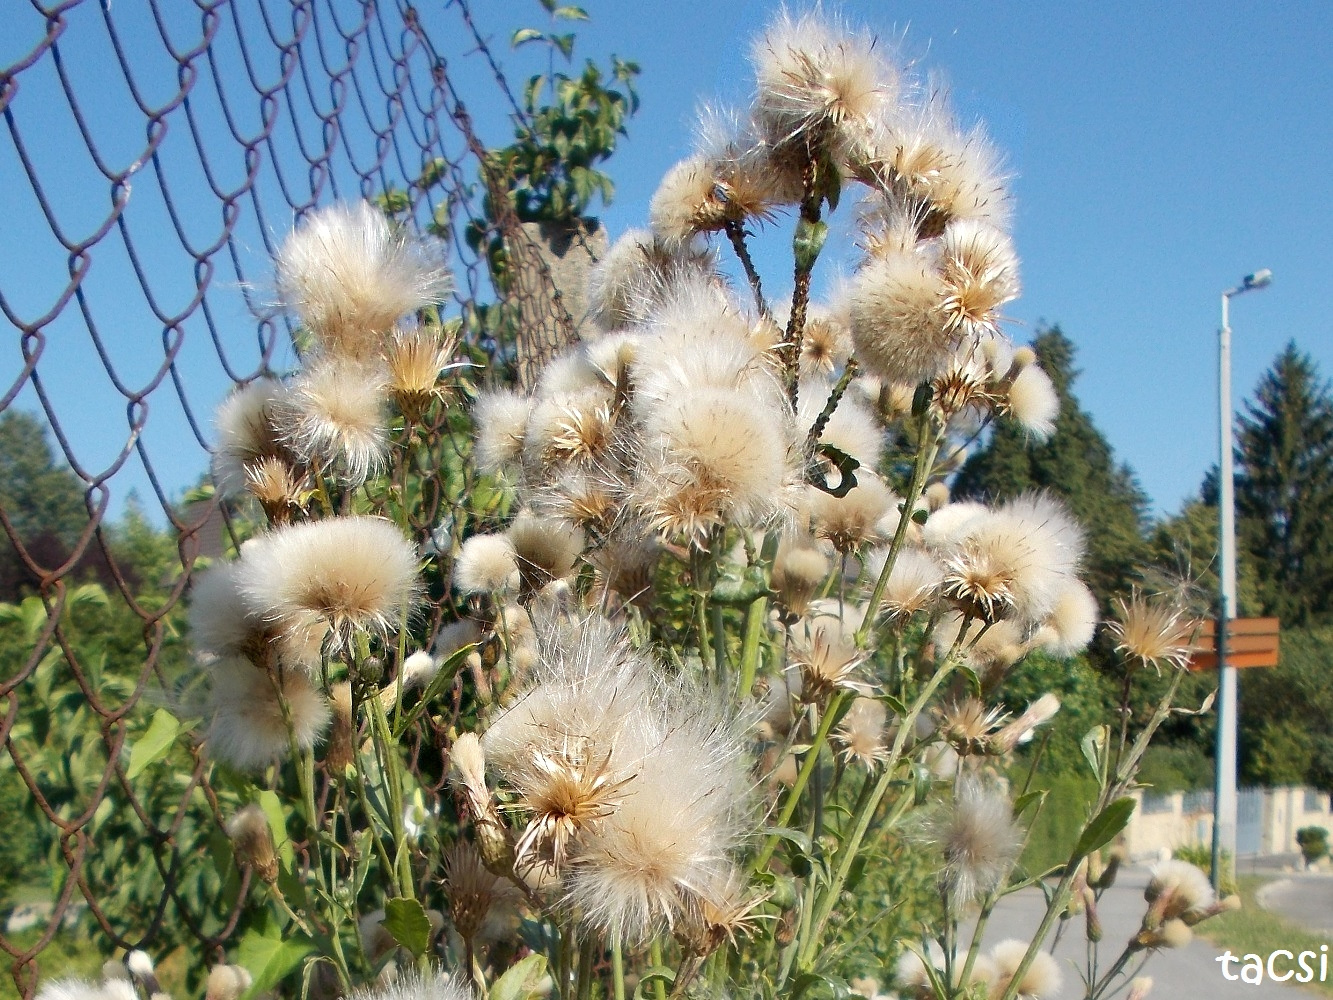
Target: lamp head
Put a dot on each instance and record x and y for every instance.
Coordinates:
(1259, 279)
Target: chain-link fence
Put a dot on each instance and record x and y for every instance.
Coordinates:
(155, 152)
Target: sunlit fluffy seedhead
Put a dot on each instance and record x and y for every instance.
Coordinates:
(415, 359)
(224, 623)
(1177, 888)
(817, 81)
(1072, 622)
(546, 549)
(246, 728)
(349, 275)
(637, 275)
(861, 733)
(699, 195)
(798, 570)
(1017, 560)
(486, 564)
(338, 417)
(1033, 402)
(570, 428)
(111, 988)
(913, 584)
(349, 573)
(948, 525)
(980, 270)
(1042, 978)
(979, 838)
(899, 325)
(501, 418)
(248, 423)
(858, 518)
(713, 456)
(669, 845)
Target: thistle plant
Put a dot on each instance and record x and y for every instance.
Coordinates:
(707, 642)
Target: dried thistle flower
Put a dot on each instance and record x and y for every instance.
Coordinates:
(227, 982)
(248, 423)
(546, 550)
(247, 727)
(280, 489)
(342, 733)
(486, 564)
(861, 733)
(501, 419)
(415, 358)
(825, 654)
(252, 841)
(899, 324)
(1153, 631)
(1033, 402)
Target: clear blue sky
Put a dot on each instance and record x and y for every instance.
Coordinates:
(1161, 152)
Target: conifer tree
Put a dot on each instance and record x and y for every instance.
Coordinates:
(1284, 489)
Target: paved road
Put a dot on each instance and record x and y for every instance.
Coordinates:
(1306, 899)
(1190, 973)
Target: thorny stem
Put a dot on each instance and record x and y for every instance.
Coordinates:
(835, 397)
(736, 234)
(807, 768)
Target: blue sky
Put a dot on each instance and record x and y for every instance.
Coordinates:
(1160, 152)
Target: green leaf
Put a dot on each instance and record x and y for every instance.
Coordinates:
(154, 744)
(565, 43)
(655, 974)
(277, 823)
(525, 35)
(1104, 827)
(1092, 745)
(269, 958)
(571, 13)
(407, 923)
(1022, 803)
(894, 705)
(798, 837)
(521, 981)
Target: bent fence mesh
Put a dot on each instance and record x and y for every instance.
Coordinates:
(155, 151)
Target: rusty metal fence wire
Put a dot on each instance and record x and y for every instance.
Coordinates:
(154, 152)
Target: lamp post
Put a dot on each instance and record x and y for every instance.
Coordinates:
(1224, 788)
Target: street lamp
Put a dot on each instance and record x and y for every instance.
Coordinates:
(1224, 788)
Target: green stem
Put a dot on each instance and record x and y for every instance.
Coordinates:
(925, 461)
(617, 969)
(802, 778)
(755, 618)
(655, 958)
(586, 954)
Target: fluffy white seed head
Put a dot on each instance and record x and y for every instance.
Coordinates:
(858, 518)
(1072, 622)
(949, 525)
(899, 325)
(978, 837)
(338, 416)
(349, 275)
(486, 564)
(1039, 982)
(248, 426)
(415, 986)
(501, 419)
(638, 273)
(861, 732)
(852, 428)
(246, 727)
(546, 549)
(1176, 888)
(913, 584)
(223, 623)
(1033, 402)
(818, 80)
(341, 572)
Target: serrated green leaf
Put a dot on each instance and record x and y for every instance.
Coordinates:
(407, 923)
(1104, 826)
(154, 744)
(521, 981)
(270, 959)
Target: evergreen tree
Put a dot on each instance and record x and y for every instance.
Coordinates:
(1078, 465)
(1284, 489)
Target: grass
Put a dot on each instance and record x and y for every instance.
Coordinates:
(1252, 929)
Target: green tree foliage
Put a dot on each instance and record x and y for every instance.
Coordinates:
(41, 499)
(1078, 465)
(1287, 714)
(1284, 489)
